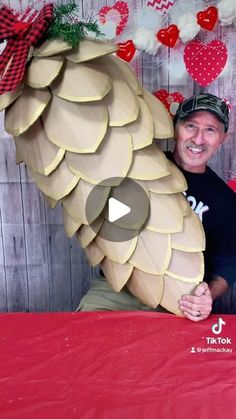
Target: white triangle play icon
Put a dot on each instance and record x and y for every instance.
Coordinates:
(116, 209)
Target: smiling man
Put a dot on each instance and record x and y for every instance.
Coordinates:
(201, 125)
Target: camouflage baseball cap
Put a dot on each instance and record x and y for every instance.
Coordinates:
(204, 102)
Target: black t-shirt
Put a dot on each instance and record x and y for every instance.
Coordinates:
(215, 204)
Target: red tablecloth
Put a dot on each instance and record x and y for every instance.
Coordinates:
(113, 365)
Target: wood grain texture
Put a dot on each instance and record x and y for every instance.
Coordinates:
(3, 283)
(36, 251)
(40, 269)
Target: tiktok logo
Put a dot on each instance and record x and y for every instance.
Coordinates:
(217, 327)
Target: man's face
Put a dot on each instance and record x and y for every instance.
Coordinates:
(197, 139)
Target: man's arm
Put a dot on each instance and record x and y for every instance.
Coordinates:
(218, 286)
(201, 300)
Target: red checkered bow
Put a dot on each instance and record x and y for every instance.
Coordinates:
(21, 36)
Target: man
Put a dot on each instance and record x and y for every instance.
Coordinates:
(201, 125)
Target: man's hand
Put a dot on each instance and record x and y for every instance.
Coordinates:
(198, 306)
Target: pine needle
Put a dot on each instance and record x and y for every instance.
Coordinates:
(66, 25)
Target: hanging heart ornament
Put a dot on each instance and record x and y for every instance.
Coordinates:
(205, 62)
(168, 36)
(170, 100)
(126, 50)
(118, 13)
(208, 18)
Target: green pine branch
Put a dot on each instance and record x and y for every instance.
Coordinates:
(66, 25)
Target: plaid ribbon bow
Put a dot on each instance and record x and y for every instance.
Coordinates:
(21, 36)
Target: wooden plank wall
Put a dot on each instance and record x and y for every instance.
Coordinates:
(40, 269)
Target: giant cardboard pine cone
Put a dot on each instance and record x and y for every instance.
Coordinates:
(81, 117)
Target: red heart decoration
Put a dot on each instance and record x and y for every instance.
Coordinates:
(126, 50)
(121, 18)
(168, 36)
(205, 62)
(169, 99)
(208, 18)
(162, 95)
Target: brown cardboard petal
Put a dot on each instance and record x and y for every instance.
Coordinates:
(111, 160)
(81, 83)
(192, 237)
(122, 104)
(37, 152)
(173, 290)
(152, 253)
(147, 288)
(70, 225)
(186, 266)
(86, 234)
(8, 98)
(116, 274)
(163, 125)
(93, 254)
(118, 68)
(89, 49)
(119, 252)
(75, 202)
(166, 215)
(184, 204)
(68, 125)
(26, 110)
(58, 184)
(52, 47)
(141, 129)
(173, 183)
(42, 71)
(148, 163)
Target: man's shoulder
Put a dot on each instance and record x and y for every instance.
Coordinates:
(207, 186)
(220, 184)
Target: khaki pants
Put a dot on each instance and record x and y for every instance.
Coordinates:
(101, 297)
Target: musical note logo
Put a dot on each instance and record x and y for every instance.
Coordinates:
(217, 327)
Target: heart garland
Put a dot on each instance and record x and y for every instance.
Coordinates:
(118, 14)
(186, 29)
(206, 19)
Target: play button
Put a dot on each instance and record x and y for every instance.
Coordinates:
(116, 209)
(125, 211)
